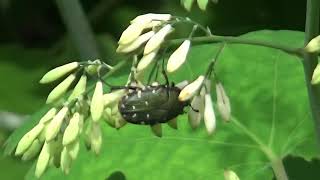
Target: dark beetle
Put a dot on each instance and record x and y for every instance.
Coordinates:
(151, 105)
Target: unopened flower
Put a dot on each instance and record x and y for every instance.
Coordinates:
(126, 48)
(32, 151)
(316, 75)
(97, 104)
(79, 89)
(202, 4)
(178, 57)
(72, 130)
(230, 175)
(223, 102)
(313, 46)
(28, 139)
(113, 97)
(209, 116)
(58, 72)
(191, 89)
(58, 91)
(152, 17)
(73, 149)
(157, 129)
(48, 116)
(55, 124)
(94, 67)
(146, 60)
(96, 138)
(182, 84)
(133, 31)
(43, 160)
(194, 114)
(65, 161)
(156, 40)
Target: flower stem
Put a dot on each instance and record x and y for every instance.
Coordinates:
(311, 61)
(238, 40)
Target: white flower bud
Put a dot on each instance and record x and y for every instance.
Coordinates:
(152, 17)
(58, 72)
(73, 149)
(113, 97)
(28, 139)
(58, 91)
(230, 175)
(43, 160)
(156, 40)
(55, 124)
(182, 84)
(126, 48)
(79, 89)
(97, 103)
(96, 138)
(32, 151)
(313, 46)
(316, 75)
(223, 102)
(48, 116)
(146, 60)
(65, 161)
(178, 57)
(190, 90)
(157, 129)
(209, 116)
(194, 117)
(133, 31)
(202, 4)
(72, 130)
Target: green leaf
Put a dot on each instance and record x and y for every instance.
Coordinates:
(202, 4)
(187, 4)
(270, 111)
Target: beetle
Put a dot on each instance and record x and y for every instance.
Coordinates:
(151, 105)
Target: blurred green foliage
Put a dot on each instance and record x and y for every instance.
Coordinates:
(33, 40)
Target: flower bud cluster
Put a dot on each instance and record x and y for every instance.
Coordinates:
(56, 137)
(198, 92)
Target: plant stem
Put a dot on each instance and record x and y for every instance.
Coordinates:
(78, 28)
(311, 61)
(276, 162)
(237, 40)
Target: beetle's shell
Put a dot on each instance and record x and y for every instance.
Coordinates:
(152, 105)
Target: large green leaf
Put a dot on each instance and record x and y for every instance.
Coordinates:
(270, 109)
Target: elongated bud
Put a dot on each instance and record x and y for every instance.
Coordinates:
(79, 89)
(55, 125)
(126, 48)
(316, 75)
(313, 46)
(113, 97)
(65, 161)
(72, 130)
(182, 84)
(190, 90)
(43, 160)
(156, 40)
(133, 31)
(97, 104)
(230, 175)
(28, 139)
(157, 129)
(146, 60)
(94, 67)
(178, 57)
(58, 72)
(209, 116)
(32, 151)
(58, 91)
(73, 149)
(152, 16)
(96, 138)
(202, 4)
(194, 115)
(173, 123)
(223, 102)
(48, 116)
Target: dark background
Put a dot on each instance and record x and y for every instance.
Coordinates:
(36, 26)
